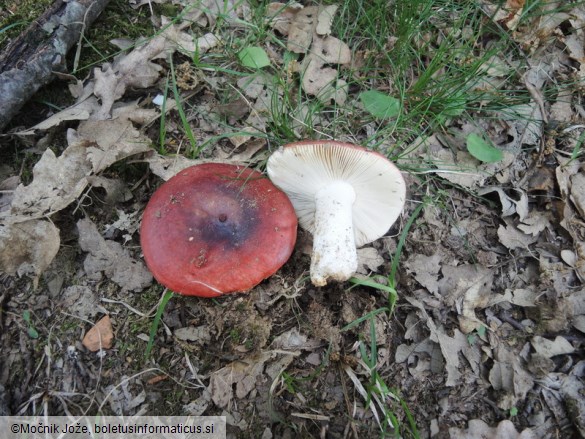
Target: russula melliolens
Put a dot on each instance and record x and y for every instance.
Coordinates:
(216, 228)
(344, 194)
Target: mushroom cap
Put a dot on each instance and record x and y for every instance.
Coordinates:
(216, 228)
(301, 169)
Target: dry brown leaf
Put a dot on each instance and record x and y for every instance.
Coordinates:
(457, 280)
(242, 373)
(116, 190)
(478, 429)
(28, 247)
(578, 193)
(81, 301)
(7, 187)
(369, 259)
(549, 348)
(562, 110)
(205, 12)
(121, 399)
(478, 295)
(281, 15)
(308, 32)
(325, 19)
(198, 406)
(197, 334)
(572, 389)
(509, 375)
(116, 139)
(510, 204)
(293, 340)
(320, 80)
(330, 50)
(110, 258)
(100, 336)
(302, 27)
(78, 111)
(535, 223)
(425, 269)
(249, 150)
(136, 69)
(450, 346)
(167, 166)
(57, 182)
(520, 297)
(267, 93)
(512, 238)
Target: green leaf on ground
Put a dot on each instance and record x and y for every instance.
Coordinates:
(254, 57)
(482, 150)
(380, 105)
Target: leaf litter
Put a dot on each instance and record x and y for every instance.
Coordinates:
(490, 317)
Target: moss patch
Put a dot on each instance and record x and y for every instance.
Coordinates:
(15, 16)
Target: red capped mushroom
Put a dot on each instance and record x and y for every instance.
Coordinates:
(216, 228)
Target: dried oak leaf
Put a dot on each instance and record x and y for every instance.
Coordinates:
(117, 138)
(308, 32)
(267, 94)
(425, 270)
(509, 376)
(369, 259)
(57, 182)
(301, 30)
(80, 300)
(450, 346)
(242, 373)
(136, 69)
(28, 247)
(550, 348)
(512, 238)
(110, 258)
(478, 295)
(205, 12)
(281, 15)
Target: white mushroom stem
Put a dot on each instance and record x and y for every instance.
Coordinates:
(334, 253)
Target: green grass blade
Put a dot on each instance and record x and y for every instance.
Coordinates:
(363, 318)
(398, 252)
(154, 327)
(195, 150)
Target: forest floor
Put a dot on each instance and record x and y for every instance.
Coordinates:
(465, 320)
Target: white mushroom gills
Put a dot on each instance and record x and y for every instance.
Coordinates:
(334, 252)
(344, 194)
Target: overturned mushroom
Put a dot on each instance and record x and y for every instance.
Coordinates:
(345, 195)
(216, 228)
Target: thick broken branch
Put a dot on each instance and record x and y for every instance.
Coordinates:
(31, 60)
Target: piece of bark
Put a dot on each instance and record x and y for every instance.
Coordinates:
(30, 61)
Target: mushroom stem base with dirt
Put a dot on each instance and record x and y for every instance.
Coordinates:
(334, 252)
